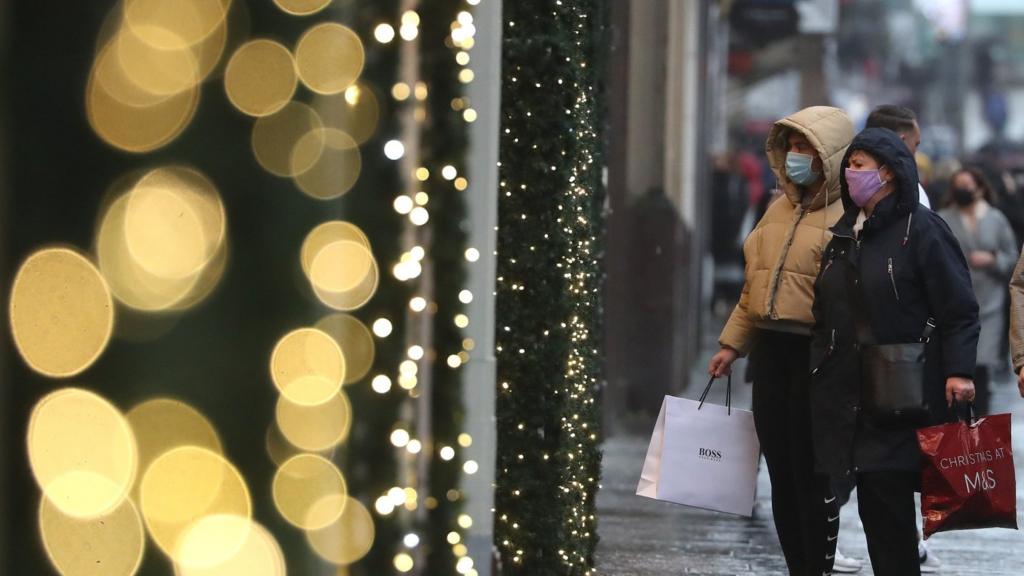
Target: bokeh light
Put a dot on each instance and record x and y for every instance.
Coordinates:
(302, 7)
(344, 275)
(227, 545)
(125, 116)
(329, 58)
(355, 341)
(157, 259)
(381, 384)
(394, 149)
(309, 491)
(107, 545)
(403, 562)
(61, 312)
(82, 452)
(260, 77)
(184, 485)
(184, 22)
(279, 449)
(348, 538)
(315, 428)
(382, 327)
(162, 424)
(384, 33)
(340, 266)
(336, 168)
(355, 111)
(328, 233)
(307, 367)
(275, 137)
(161, 72)
(174, 222)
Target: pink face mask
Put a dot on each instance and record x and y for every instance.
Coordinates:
(863, 185)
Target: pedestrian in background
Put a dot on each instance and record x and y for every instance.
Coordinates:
(1017, 323)
(890, 268)
(990, 247)
(902, 121)
(772, 322)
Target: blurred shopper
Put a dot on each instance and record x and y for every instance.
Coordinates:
(1017, 323)
(990, 247)
(730, 203)
(772, 322)
(889, 268)
(902, 121)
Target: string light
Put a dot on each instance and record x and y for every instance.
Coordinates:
(556, 231)
(384, 33)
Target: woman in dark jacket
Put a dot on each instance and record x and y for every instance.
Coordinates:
(889, 268)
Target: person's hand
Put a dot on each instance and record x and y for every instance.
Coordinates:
(721, 363)
(1020, 382)
(982, 259)
(959, 389)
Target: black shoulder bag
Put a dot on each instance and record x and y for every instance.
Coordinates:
(892, 375)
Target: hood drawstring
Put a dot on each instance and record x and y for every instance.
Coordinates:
(906, 236)
(824, 218)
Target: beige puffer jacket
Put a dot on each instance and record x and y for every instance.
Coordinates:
(783, 252)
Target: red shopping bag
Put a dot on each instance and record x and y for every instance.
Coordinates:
(967, 476)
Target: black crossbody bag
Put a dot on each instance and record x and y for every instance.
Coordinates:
(892, 375)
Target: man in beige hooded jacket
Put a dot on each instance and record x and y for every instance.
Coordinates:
(772, 323)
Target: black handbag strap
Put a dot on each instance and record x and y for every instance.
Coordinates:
(728, 394)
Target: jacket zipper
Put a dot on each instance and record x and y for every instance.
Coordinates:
(892, 278)
(777, 279)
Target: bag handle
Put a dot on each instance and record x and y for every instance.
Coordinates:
(728, 394)
(971, 420)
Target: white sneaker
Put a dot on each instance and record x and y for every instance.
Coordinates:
(844, 565)
(929, 561)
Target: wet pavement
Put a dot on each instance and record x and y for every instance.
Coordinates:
(642, 537)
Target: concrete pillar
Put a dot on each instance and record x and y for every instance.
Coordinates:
(482, 206)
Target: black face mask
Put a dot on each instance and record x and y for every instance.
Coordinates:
(963, 196)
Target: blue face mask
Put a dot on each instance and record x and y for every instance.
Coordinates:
(798, 168)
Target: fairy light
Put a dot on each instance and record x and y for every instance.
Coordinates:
(401, 91)
(403, 204)
(381, 384)
(382, 327)
(394, 149)
(560, 233)
(400, 438)
(423, 206)
(384, 33)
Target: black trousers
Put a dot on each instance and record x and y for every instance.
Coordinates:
(805, 511)
(886, 504)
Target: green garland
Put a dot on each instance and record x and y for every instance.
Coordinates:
(374, 414)
(549, 288)
(445, 142)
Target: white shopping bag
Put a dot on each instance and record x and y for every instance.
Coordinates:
(702, 455)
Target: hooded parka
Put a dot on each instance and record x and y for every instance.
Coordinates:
(906, 267)
(783, 252)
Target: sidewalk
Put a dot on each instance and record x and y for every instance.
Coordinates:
(642, 537)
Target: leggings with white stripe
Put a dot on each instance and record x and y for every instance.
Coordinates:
(805, 510)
